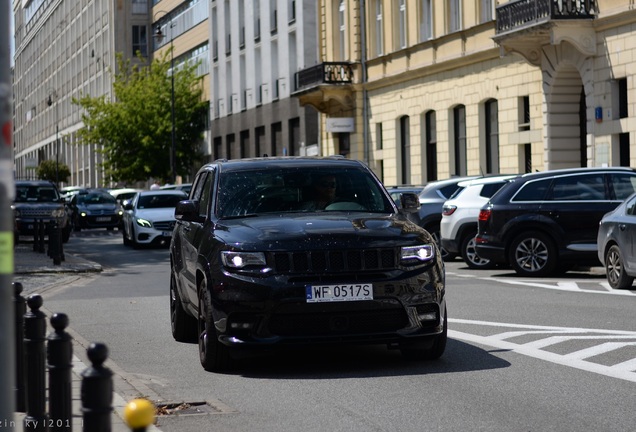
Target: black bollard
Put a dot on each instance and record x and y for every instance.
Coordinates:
(55, 242)
(60, 356)
(35, 352)
(97, 391)
(36, 235)
(41, 232)
(19, 304)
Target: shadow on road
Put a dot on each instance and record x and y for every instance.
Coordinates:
(362, 362)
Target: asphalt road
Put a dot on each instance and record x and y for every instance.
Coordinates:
(523, 355)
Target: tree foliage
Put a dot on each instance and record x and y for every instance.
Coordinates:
(135, 127)
(53, 171)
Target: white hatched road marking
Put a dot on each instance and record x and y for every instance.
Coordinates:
(571, 286)
(619, 339)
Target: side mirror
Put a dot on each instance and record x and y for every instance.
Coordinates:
(186, 210)
(410, 202)
(127, 205)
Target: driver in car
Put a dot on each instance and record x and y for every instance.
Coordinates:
(323, 193)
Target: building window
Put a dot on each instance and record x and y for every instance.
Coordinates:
(623, 143)
(379, 32)
(426, 20)
(229, 144)
(405, 149)
(526, 164)
(342, 30)
(139, 6)
(244, 144)
(492, 136)
(459, 140)
(378, 136)
(524, 113)
(622, 98)
(400, 27)
(486, 12)
(139, 40)
(431, 145)
(454, 15)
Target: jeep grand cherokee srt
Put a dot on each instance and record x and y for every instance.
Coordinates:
(254, 266)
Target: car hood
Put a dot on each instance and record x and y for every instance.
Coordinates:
(155, 214)
(297, 232)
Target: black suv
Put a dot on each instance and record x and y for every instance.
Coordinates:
(544, 222)
(255, 262)
(38, 199)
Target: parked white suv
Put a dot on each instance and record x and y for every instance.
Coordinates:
(459, 217)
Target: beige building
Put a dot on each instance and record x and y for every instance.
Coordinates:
(424, 89)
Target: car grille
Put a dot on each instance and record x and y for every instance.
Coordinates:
(35, 213)
(336, 323)
(333, 261)
(164, 225)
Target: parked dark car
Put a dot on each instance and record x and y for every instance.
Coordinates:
(94, 209)
(616, 240)
(397, 191)
(254, 266)
(544, 222)
(432, 199)
(41, 200)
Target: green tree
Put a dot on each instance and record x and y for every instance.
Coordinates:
(53, 171)
(135, 127)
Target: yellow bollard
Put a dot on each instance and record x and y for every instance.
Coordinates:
(139, 414)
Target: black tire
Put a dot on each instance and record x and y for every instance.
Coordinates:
(469, 253)
(615, 269)
(214, 356)
(66, 234)
(533, 254)
(435, 232)
(427, 350)
(184, 326)
(125, 238)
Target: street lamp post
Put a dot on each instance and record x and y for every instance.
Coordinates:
(173, 149)
(49, 102)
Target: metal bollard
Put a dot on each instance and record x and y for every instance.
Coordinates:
(41, 232)
(36, 235)
(139, 414)
(55, 242)
(60, 356)
(34, 338)
(97, 391)
(19, 304)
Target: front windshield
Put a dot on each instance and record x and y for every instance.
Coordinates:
(96, 198)
(291, 190)
(36, 194)
(159, 201)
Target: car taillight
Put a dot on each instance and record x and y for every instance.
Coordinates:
(484, 215)
(448, 210)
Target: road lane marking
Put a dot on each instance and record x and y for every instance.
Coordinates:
(570, 286)
(625, 370)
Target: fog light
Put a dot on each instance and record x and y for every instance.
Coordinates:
(427, 316)
(241, 325)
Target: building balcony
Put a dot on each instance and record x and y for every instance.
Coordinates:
(325, 84)
(524, 26)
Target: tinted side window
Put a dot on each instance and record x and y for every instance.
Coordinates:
(204, 200)
(447, 191)
(630, 208)
(623, 184)
(589, 187)
(533, 191)
(488, 190)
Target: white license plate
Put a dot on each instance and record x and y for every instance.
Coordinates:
(335, 293)
(103, 219)
(167, 233)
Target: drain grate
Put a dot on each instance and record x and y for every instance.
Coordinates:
(191, 408)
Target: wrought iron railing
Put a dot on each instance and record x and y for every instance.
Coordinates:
(522, 13)
(325, 73)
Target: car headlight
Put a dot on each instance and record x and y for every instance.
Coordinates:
(83, 214)
(144, 223)
(120, 212)
(420, 253)
(58, 213)
(240, 260)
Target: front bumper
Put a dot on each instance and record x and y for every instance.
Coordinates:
(251, 315)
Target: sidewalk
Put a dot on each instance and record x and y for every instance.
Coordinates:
(36, 271)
